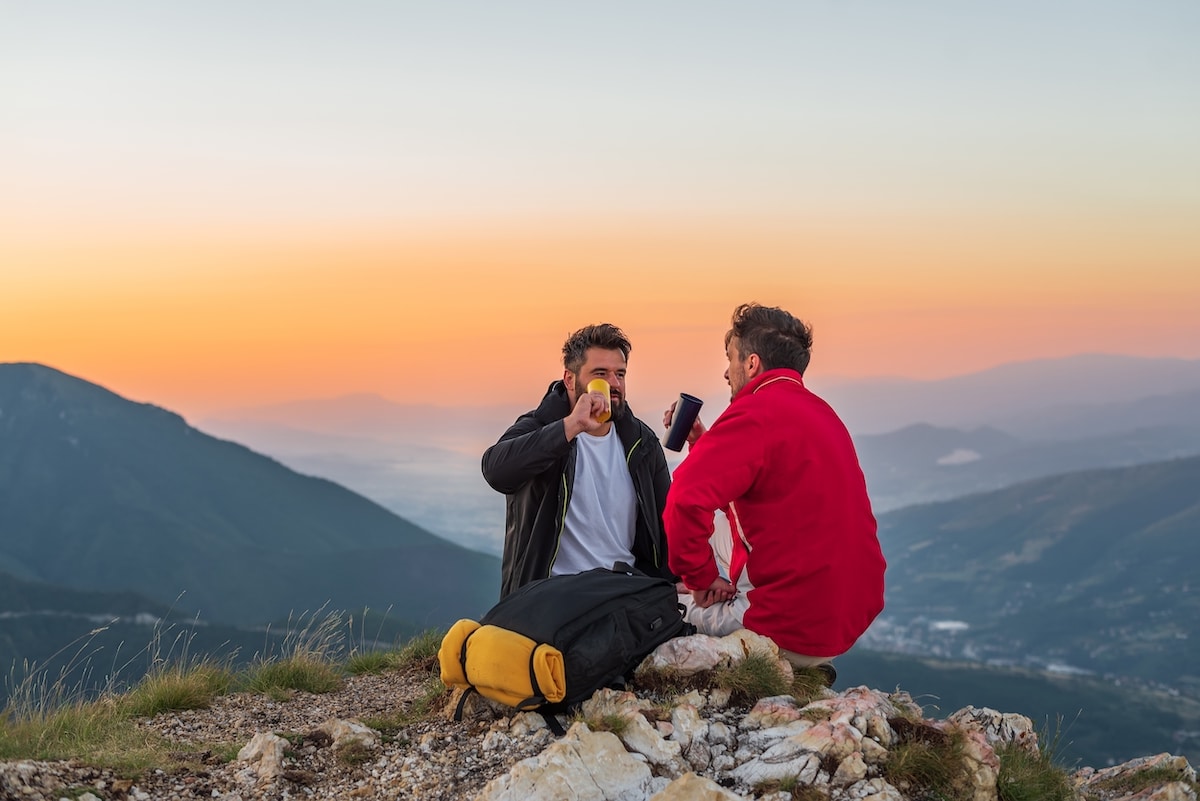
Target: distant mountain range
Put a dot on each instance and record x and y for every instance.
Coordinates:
(942, 439)
(99, 493)
(1085, 572)
(923, 463)
(1010, 393)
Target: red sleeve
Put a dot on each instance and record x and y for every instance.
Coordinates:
(720, 468)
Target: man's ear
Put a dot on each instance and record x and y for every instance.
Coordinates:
(569, 382)
(753, 365)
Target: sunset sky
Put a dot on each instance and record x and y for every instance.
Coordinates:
(216, 204)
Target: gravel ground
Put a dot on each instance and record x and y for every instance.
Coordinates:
(434, 758)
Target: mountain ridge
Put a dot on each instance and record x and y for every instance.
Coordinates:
(104, 493)
(1006, 391)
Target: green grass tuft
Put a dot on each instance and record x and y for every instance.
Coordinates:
(928, 763)
(177, 687)
(1026, 776)
(371, 662)
(423, 646)
(611, 721)
(355, 753)
(303, 672)
(306, 660)
(757, 676)
(807, 684)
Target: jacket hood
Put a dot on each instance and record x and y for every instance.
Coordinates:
(555, 404)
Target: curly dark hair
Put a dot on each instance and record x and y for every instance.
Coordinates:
(603, 335)
(779, 339)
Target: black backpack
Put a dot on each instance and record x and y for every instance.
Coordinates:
(602, 622)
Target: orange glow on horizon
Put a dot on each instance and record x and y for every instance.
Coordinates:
(200, 322)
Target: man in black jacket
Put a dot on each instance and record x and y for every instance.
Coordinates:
(582, 492)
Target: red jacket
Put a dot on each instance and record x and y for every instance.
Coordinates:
(782, 463)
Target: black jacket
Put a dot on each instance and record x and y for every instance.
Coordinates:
(534, 465)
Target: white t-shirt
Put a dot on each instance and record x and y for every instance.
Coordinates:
(602, 510)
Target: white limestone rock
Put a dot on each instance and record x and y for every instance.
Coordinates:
(999, 728)
(264, 755)
(582, 766)
(350, 732)
(872, 790)
(691, 787)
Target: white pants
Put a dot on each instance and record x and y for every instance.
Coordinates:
(725, 618)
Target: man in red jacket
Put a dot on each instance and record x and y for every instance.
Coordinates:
(806, 568)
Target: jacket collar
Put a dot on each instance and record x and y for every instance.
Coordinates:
(780, 375)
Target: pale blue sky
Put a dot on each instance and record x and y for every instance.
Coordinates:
(292, 111)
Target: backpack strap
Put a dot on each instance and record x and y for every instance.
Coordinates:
(553, 724)
(536, 699)
(462, 701)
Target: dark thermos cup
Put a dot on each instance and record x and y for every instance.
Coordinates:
(681, 424)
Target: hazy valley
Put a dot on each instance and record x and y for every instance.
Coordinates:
(919, 441)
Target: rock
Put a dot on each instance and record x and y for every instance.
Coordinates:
(850, 770)
(691, 732)
(872, 790)
(1095, 783)
(691, 787)
(264, 752)
(1175, 791)
(784, 760)
(771, 712)
(637, 734)
(582, 766)
(350, 732)
(699, 652)
(999, 728)
(981, 768)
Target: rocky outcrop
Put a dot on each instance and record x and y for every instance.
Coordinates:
(840, 744)
(847, 746)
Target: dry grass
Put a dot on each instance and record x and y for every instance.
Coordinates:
(52, 719)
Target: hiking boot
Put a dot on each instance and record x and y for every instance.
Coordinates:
(828, 670)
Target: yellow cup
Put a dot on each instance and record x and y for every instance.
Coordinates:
(601, 386)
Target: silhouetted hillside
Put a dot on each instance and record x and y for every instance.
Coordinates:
(97, 492)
